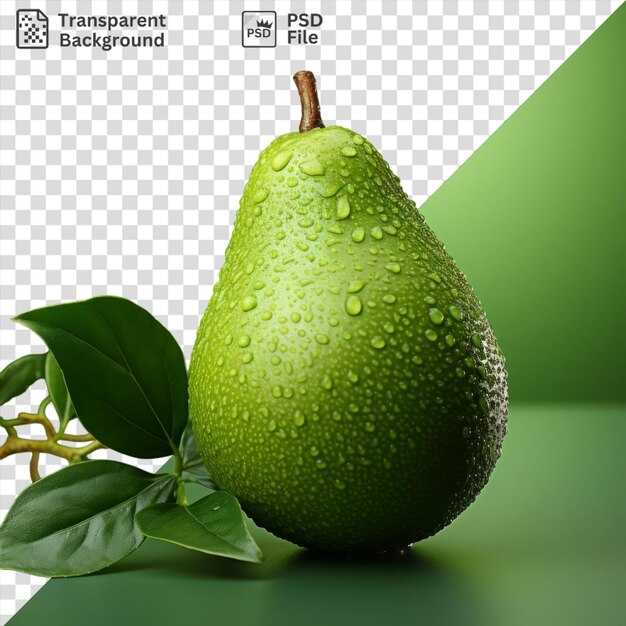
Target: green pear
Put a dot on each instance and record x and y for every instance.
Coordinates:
(345, 384)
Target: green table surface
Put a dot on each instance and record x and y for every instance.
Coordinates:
(545, 543)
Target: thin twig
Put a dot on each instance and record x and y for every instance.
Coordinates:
(68, 437)
(92, 447)
(15, 445)
(34, 466)
(39, 418)
(9, 425)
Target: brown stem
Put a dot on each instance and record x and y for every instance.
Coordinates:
(34, 466)
(311, 115)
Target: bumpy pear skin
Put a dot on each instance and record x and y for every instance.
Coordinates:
(345, 384)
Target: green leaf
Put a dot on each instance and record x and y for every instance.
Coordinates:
(124, 371)
(58, 390)
(214, 525)
(19, 375)
(79, 519)
(194, 469)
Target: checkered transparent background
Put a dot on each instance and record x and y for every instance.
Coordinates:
(120, 171)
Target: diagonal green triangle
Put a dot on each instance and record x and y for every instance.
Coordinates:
(536, 218)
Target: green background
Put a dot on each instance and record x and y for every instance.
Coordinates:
(536, 220)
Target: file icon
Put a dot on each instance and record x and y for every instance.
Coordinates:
(31, 29)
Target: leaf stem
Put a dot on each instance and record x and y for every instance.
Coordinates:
(178, 463)
(181, 496)
(44, 404)
(64, 420)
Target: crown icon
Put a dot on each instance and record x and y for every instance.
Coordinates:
(262, 24)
